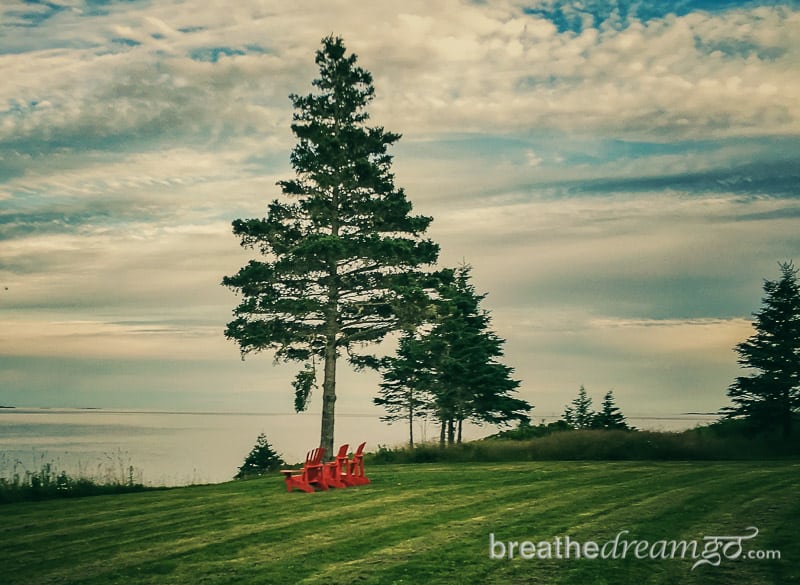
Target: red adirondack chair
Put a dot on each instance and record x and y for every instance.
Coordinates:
(355, 468)
(336, 470)
(312, 474)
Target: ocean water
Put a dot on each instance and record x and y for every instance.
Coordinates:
(179, 448)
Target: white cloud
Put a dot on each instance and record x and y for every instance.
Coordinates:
(441, 66)
(173, 173)
(533, 159)
(98, 339)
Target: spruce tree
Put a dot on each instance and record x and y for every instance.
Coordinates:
(261, 459)
(769, 397)
(455, 363)
(342, 255)
(609, 416)
(579, 415)
(403, 392)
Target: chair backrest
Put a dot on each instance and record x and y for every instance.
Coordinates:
(315, 457)
(343, 451)
(356, 465)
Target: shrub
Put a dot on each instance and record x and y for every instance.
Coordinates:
(261, 459)
(527, 431)
(709, 443)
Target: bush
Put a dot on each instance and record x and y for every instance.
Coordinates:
(261, 459)
(705, 443)
(527, 431)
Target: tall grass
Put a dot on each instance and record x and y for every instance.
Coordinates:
(600, 445)
(46, 480)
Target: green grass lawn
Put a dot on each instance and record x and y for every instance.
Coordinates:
(415, 524)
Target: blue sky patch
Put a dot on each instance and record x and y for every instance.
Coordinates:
(213, 54)
(575, 15)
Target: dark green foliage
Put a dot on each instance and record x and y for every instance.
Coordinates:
(599, 445)
(609, 416)
(526, 430)
(342, 252)
(770, 396)
(451, 366)
(303, 383)
(579, 415)
(261, 459)
(403, 391)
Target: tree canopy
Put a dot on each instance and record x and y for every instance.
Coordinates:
(404, 391)
(609, 416)
(579, 414)
(449, 368)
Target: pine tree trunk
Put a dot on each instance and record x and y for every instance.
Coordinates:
(410, 425)
(331, 332)
(441, 433)
(328, 397)
(451, 432)
(329, 381)
(786, 414)
(460, 424)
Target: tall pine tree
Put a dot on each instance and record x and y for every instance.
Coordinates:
(342, 255)
(770, 397)
(455, 364)
(403, 392)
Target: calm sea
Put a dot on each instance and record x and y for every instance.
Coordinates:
(175, 448)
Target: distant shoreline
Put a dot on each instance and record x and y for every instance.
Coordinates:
(1, 406)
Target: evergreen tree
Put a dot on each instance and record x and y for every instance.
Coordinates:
(343, 257)
(580, 414)
(402, 392)
(455, 364)
(261, 459)
(609, 416)
(770, 396)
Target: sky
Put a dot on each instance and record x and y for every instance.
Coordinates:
(621, 175)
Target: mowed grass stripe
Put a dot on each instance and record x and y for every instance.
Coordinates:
(194, 533)
(316, 547)
(667, 571)
(295, 528)
(255, 532)
(205, 513)
(471, 531)
(208, 538)
(311, 551)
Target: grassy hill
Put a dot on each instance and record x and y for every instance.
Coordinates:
(417, 524)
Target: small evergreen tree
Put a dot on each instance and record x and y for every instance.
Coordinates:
(580, 414)
(770, 397)
(402, 392)
(610, 416)
(261, 459)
